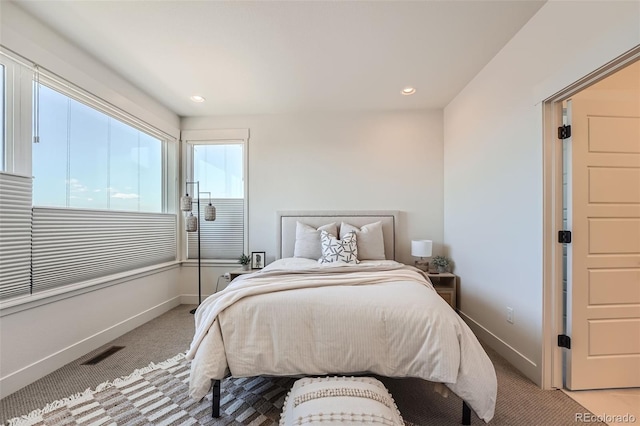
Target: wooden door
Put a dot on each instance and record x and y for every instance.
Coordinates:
(603, 298)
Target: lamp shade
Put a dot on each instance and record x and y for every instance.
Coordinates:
(209, 212)
(191, 223)
(421, 248)
(185, 203)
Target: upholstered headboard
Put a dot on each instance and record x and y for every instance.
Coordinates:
(286, 226)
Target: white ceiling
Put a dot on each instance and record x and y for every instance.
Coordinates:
(270, 57)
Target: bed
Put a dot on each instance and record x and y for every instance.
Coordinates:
(344, 314)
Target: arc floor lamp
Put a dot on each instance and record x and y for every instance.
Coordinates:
(192, 223)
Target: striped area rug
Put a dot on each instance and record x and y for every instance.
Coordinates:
(158, 395)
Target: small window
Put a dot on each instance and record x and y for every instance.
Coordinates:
(219, 166)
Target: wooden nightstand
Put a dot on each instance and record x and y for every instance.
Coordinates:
(446, 284)
(236, 272)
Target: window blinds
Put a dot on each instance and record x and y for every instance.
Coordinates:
(223, 238)
(74, 245)
(15, 235)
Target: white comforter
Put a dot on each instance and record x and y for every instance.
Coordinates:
(296, 317)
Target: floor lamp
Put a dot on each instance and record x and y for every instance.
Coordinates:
(192, 224)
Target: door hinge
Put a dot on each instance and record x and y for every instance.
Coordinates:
(564, 237)
(564, 341)
(564, 132)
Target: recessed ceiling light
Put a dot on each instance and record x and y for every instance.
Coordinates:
(408, 91)
(197, 98)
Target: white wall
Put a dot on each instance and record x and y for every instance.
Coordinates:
(342, 161)
(212, 276)
(38, 340)
(493, 161)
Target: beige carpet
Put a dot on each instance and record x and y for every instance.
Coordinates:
(520, 402)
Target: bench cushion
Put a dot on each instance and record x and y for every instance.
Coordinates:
(339, 400)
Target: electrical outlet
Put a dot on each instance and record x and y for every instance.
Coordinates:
(227, 276)
(509, 315)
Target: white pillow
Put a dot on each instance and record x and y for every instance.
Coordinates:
(308, 240)
(370, 240)
(335, 250)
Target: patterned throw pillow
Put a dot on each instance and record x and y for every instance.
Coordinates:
(335, 250)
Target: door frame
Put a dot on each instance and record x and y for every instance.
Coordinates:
(552, 298)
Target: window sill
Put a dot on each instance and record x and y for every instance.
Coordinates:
(210, 262)
(31, 301)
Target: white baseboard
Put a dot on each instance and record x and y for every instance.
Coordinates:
(41, 368)
(191, 299)
(518, 360)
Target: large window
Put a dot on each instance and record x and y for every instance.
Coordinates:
(219, 165)
(87, 159)
(97, 194)
(84, 191)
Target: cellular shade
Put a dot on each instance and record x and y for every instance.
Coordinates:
(15, 235)
(74, 245)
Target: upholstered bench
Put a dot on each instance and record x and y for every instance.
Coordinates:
(339, 401)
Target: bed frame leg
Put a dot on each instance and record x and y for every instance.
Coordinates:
(466, 414)
(215, 400)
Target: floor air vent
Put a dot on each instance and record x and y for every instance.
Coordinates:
(103, 355)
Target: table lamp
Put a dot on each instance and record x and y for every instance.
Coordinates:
(421, 249)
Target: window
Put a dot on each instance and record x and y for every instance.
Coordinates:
(87, 159)
(97, 194)
(15, 178)
(97, 204)
(3, 118)
(15, 115)
(217, 161)
(219, 169)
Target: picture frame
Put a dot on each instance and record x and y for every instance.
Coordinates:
(257, 259)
